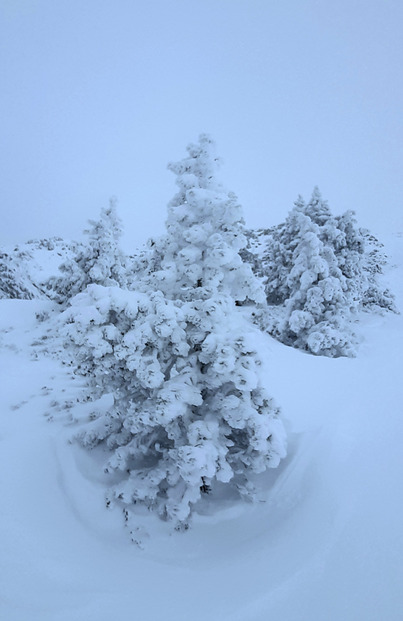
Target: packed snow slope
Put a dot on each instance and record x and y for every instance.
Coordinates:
(325, 542)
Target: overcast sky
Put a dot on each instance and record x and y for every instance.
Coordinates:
(98, 95)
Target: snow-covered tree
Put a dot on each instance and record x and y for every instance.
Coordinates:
(363, 261)
(317, 208)
(376, 296)
(319, 270)
(318, 309)
(277, 256)
(190, 411)
(100, 261)
(205, 233)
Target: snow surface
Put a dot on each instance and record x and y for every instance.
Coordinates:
(325, 542)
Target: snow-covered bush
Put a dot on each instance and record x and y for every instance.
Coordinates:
(14, 283)
(179, 358)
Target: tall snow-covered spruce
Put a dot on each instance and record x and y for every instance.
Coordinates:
(179, 356)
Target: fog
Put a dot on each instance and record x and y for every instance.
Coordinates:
(98, 96)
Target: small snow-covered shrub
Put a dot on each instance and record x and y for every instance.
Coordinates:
(14, 283)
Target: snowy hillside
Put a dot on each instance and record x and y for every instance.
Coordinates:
(324, 541)
(25, 268)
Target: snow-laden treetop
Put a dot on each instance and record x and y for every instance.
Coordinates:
(205, 231)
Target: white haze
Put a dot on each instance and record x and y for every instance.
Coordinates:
(98, 96)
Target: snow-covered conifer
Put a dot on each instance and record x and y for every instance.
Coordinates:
(106, 264)
(277, 259)
(100, 261)
(319, 270)
(205, 232)
(317, 208)
(376, 297)
(318, 308)
(189, 410)
(360, 260)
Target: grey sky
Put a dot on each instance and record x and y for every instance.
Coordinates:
(98, 95)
